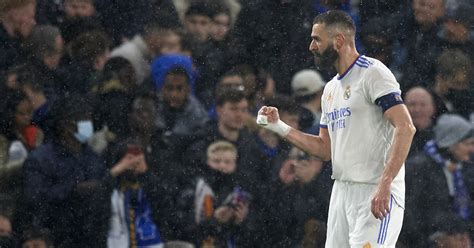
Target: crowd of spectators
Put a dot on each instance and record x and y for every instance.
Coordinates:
(132, 123)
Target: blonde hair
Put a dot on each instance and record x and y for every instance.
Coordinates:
(221, 146)
(7, 5)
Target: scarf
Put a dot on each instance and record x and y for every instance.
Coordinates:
(461, 195)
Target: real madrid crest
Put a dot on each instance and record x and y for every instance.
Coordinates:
(347, 92)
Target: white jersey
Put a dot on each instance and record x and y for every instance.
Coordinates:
(360, 135)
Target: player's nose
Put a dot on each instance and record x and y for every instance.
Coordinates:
(313, 47)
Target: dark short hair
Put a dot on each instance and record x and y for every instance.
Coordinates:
(178, 71)
(452, 61)
(10, 101)
(201, 9)
(335, 17)
(87, 46)
(231, 95)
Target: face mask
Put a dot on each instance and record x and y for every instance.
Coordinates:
(85, 129)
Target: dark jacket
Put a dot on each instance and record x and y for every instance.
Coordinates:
(51, 178)
(11, 53)
(187, 229)
(428, 201)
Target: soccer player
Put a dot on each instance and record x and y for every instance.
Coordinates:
(365, 130)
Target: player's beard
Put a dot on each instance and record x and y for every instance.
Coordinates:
(326, 59)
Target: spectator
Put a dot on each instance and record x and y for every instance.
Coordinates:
(452, 85)
(17, 138)
(457, 29)
(37, 238)
(183, 5)
(46, 48)
(113, 95)
(230, 79)
(76, 198)
(298, 200)
(221, 54)
(17, 19)
(134, 16)
(214, 209)
(424, 107)
(197, 21)
(378, 36)
(258, 85)
(172, 42)
(452, 233)
(435, 180)
(421, 35)
(281, 43)
(179, 112)
(307, 86)
(80, 16)
(141, 49)
(7, 238)
(138, 200)
(89, 53)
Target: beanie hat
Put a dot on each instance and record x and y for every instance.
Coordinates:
(163, 64)
(306, 82)
(452, 129)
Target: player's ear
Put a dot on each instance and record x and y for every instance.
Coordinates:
(338, 40)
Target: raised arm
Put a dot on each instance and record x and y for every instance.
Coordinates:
(319, 146)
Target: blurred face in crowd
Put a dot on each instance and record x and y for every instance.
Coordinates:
(22, 19)
(427, 12)
(52, 59)
(306, 167)
(462, 150)
(232, 115)
(34, 243)
(377, 46)
(220, 26)
(23, 114)
(5, 226)
(176, 90)
(455, 31)
(170, 43)
(231, 81)
(454, 240)
(199, 26)
(421, 107)
(142, 116)
(224, 161)
(322, 47)
(101, 60)
(79, 8)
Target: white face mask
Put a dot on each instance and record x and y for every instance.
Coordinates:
(85, 129)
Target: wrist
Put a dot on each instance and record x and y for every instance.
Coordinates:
(280, 127)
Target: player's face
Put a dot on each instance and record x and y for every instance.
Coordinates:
(322, 47)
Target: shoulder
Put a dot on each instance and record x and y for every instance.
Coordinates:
(375, 68)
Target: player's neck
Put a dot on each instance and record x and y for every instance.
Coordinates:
(346, 59)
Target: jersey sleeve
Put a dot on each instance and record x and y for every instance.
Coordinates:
(380, 82)
(323, 123)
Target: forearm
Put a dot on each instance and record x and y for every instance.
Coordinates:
(403, 137)
(312, 144)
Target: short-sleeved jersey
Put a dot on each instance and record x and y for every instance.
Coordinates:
(360, 135)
